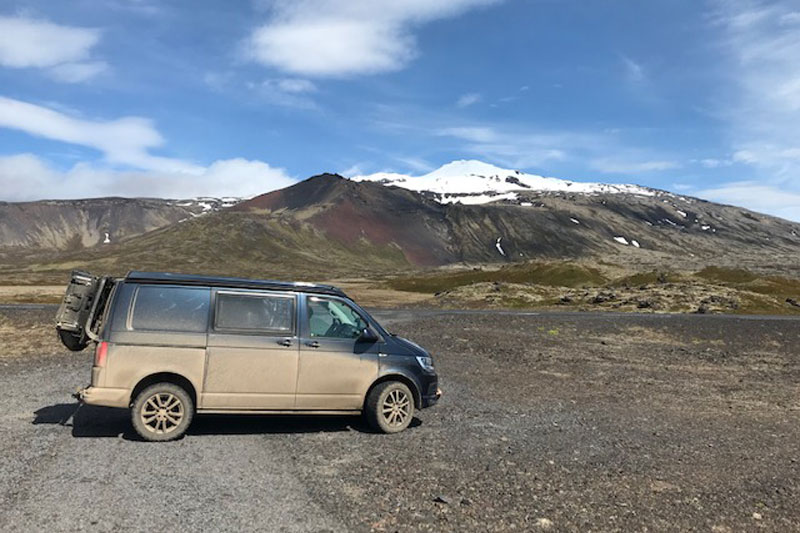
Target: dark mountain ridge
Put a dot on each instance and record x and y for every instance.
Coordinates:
(330, 226)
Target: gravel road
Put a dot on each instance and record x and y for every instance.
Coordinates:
(551, 421)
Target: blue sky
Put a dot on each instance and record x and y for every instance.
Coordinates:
(159, 98)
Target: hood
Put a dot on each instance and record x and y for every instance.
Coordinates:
(408, 347)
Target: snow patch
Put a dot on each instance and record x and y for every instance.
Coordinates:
(475, 182)
(636, 244)
(682, 213)
(526, 204)
(705, 227)
(499, 247)
(621, 240)
(476, 199)
(107, 238)
(575, 221)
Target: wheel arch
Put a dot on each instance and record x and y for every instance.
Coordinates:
(164, 377)
(402, 378)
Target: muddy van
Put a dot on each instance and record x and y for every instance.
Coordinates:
(169, 346)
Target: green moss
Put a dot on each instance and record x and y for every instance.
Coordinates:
(726, 275)
(756, 304)
(647, 278)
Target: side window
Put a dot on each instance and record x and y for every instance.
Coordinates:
(333, 319)
(158, 308)
(255, 313)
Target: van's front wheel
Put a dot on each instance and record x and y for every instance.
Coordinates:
(390, 407)
(162, 412)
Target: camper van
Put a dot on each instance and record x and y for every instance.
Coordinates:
(171, 346)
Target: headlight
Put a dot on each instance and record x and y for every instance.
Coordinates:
(426, 363)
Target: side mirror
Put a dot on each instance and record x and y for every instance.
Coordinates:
(368, 335)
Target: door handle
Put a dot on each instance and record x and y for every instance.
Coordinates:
(285, 342)
(312, 344)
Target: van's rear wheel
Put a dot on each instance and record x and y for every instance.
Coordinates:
(162, 412)
(390, 407)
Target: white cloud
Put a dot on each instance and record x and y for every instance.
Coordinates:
(27, 177)
(762, 46)
(761, 197)
(468, 99)
(622, 166)
(125, 141)
(334, 38)
(63, 51)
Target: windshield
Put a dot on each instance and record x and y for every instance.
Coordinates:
(334, 319)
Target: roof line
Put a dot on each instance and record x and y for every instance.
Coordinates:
(239, 283)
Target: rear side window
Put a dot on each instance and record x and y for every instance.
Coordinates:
(255, 313)
(157, 308)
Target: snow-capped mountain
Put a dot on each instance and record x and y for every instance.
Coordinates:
(476, 182)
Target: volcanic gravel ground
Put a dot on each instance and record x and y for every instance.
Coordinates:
(554, 421)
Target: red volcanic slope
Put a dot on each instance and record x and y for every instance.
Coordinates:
(351, 211)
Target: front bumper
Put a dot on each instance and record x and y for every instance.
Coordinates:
(432, 396)
(103, 396)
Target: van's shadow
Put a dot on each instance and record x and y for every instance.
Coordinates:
(92, 421)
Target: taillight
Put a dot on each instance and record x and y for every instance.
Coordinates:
(100, 354)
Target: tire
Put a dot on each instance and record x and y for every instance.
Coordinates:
(72, 341)
(389, 407)
(162, 412)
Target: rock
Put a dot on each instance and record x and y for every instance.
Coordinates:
(566, 299)
(442, 499)
(544, 523)
(644, 304)
(792, 301)
(757, 516)
(702, 310)
(604, 297)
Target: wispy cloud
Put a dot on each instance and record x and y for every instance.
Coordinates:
(468, 99)
(757, 196)
(713, 162)
(77, 72)
(627, 166)
(295, 85)
(634, 72)
(332, 38)
(64, 52)
(286, 92)
(124, 141)
(761, 41)
(526, 149)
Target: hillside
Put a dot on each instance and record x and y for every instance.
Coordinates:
(330, 226)
(71, 224)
